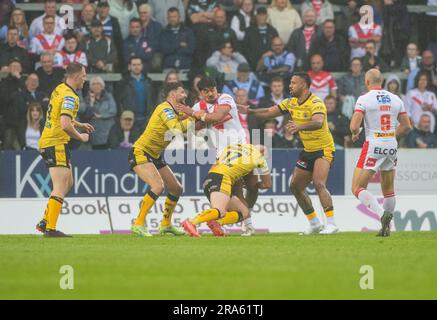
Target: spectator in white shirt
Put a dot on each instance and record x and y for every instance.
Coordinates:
(284, 18)
(49, 10)
(243, 19)
(420, 101)
(48, 40)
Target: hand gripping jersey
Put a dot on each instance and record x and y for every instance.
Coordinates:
(230, 131)
(315, 140)
(381, 111)
(157, 137)
(237, 161)
(64, 101)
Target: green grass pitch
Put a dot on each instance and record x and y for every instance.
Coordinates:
(274, 266)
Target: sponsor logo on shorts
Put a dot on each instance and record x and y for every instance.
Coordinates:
(302, 164)
(385, 151)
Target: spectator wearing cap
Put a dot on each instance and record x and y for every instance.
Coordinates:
(49, 10)
(226, 60)
(124, 11)
(177, 43)
(302, 40)
(247, 81)
(70, 53)
(99, 109)
(161, 7)
(277, 62)
(49, 76)
(100, 50)
(11, 51)
(219, 32)
(124, 133)
(323, 9)
(9, 87)
(137, 45)
(258, 38)
(284, 18)
(332, 47)
(48, 40)
(150, 28)
(83, 26)
(134, 92)
(111, 28)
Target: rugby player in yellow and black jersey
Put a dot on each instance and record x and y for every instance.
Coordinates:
(309, 119)
(221, 184)
(146, 161)
(59, 128)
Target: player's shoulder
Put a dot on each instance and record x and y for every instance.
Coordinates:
(65, 90)
(167, 109)
(314, 100)
(225, 98)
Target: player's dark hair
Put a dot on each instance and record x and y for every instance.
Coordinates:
(73, 68)
(304, 76)
(169, 87)
(207, 83)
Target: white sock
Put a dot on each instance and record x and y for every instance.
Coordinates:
(248, 223)
(315, 222)
(330, 220)
(370, 201)
(389, 203)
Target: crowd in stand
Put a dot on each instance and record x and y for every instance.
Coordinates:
(263, 42)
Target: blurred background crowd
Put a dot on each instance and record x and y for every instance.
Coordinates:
(251, 47)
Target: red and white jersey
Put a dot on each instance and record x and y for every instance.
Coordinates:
(414, 102)
(46, 42)
(63, 58)
(362, 32)
(228, 132)
(322, 83)
(381, 112)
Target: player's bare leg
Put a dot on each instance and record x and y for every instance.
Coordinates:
(148, 174)
(174, 189)
(62, 179)
(237, 211)
(389, 205)
(251, 183)
(219, 204)
(320, 177)
(370, 201)
(301, 180)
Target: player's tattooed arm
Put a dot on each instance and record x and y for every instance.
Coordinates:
(262, 113)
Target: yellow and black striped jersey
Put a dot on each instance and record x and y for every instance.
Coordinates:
(302, 114)
(63, 101)
(157, 137)
(238, 160)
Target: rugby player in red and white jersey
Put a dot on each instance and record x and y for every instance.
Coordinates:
(381, 112)
(221, 113)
